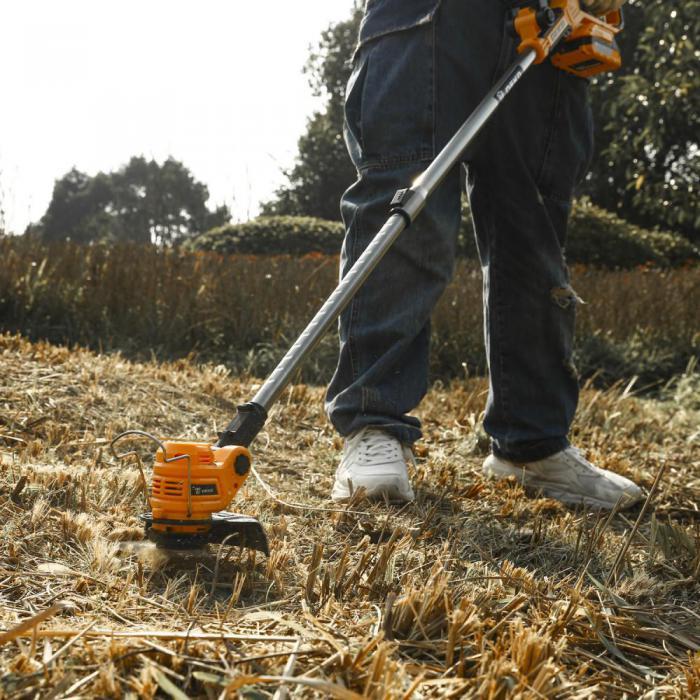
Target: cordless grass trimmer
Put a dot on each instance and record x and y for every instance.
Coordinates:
(193, 482)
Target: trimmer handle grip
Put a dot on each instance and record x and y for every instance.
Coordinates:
(577, 41)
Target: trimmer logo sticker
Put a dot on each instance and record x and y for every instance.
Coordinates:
(203, 490)
(508, 83)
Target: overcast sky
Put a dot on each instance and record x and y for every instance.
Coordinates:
(215, 83)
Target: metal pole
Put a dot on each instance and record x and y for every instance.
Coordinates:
(407, 204)
(422, 188)
(329, 312)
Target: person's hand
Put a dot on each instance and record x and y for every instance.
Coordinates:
(602, 7)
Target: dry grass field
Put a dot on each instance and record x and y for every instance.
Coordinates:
(244, 311)
(474, 590)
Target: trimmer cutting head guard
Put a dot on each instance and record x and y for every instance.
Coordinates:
(192, 484)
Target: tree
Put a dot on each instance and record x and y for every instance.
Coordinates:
(143, 201)
(2, 209)
(322, 170)
(648, 160)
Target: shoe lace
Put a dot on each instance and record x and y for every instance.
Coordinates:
(378, 445)
(578, 460)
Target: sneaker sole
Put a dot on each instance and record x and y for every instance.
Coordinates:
(539, 487)
(393, 494)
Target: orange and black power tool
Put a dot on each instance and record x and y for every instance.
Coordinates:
(578, 42)
(194, 482)
(191, 486)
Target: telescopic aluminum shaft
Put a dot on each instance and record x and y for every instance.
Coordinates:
(406, 206)
(422, 188)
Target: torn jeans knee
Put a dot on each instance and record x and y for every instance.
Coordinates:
(565, 297)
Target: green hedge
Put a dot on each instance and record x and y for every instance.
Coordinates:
(273, 235)
(596, 237)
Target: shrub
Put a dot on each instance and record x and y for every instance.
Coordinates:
(274, 235)
(597, 237)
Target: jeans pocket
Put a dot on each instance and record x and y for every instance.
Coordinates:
(570, 146)
(389, 16)
(396, 103)
(389, 102)
(588, 139)
(352, 127)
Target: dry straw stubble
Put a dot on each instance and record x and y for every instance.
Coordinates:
(473, 591)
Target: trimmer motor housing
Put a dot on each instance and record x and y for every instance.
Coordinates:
(192, 483)
(587, 48)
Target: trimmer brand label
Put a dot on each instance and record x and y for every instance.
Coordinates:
(203, 489)
(508, 83)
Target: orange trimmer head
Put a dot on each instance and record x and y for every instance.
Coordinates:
(192, 485)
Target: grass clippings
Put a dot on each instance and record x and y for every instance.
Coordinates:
(474, 590)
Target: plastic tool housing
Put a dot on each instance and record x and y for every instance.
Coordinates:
(578, 42)
(192, 484)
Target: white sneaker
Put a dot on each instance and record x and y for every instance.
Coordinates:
(375, 460)
(568, 477)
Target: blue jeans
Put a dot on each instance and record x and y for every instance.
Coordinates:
(421, 67)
